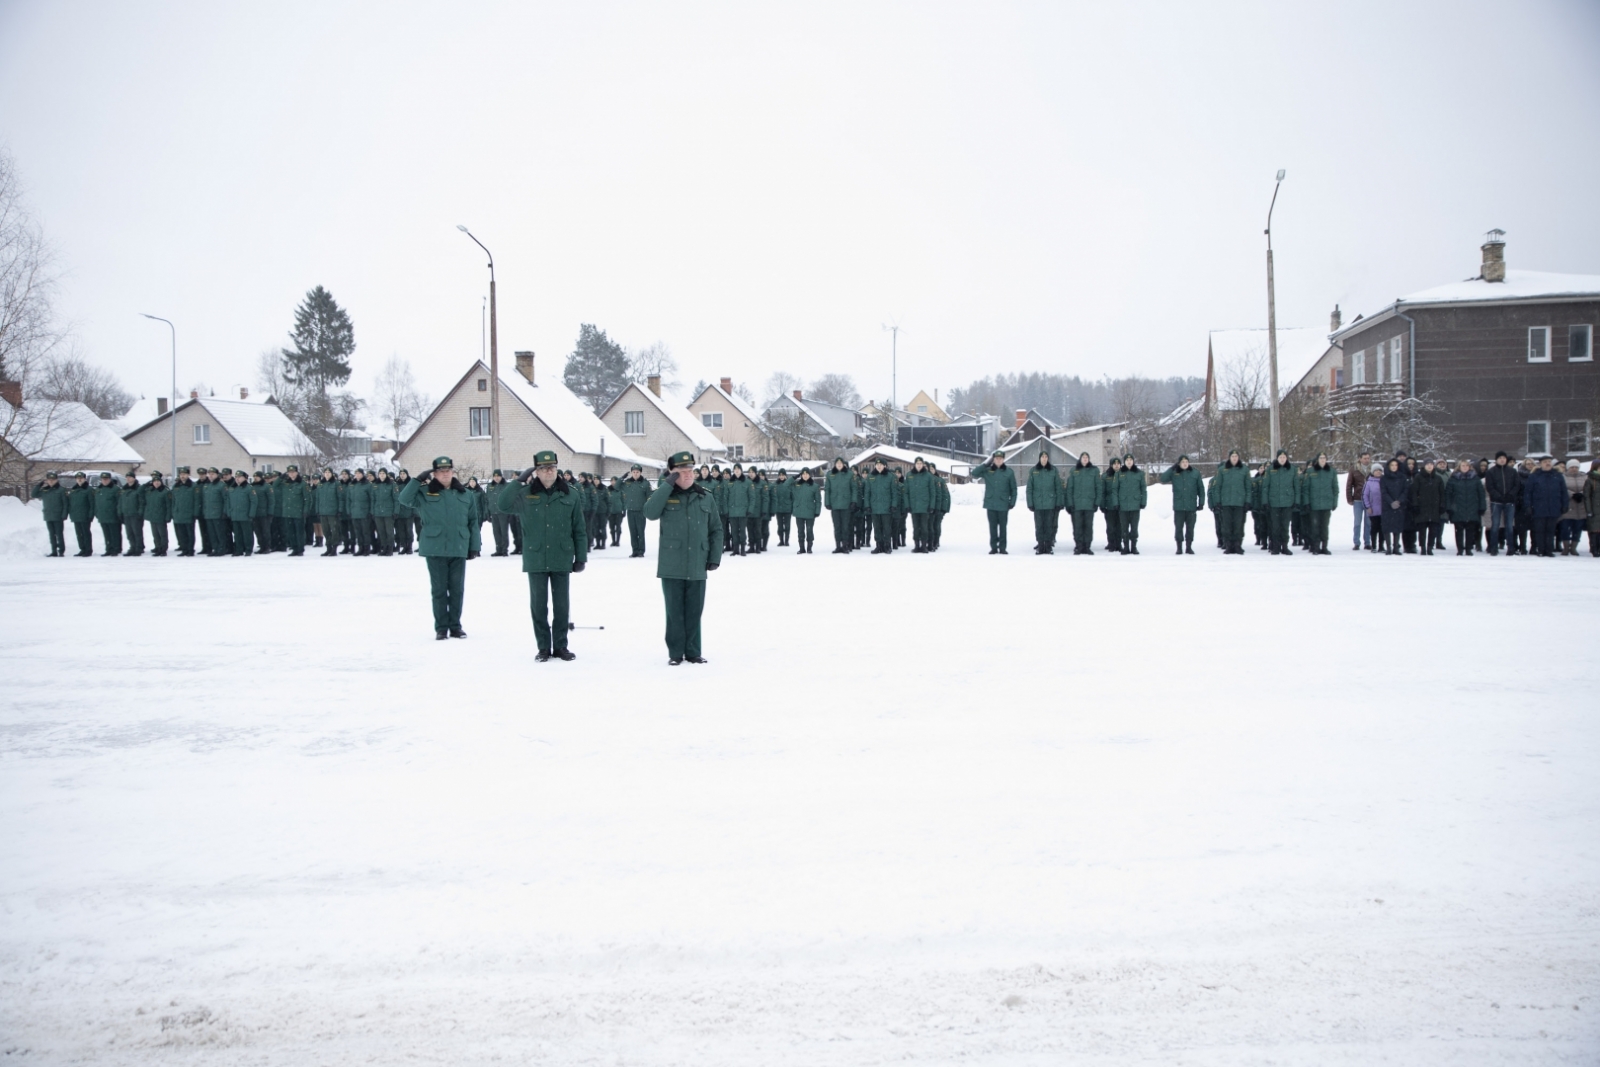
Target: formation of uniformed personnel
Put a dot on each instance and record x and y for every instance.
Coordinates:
(1046, 496)
(156, 504)
(840, 495)
(80, 509)
(999, 497)
(555, 546)
(1083, 497)
(450, 537)
(805, 504)
(185, 510)
(689, 547)
(635, 491)
(54, 497)
(130, 511)
(1188, 498)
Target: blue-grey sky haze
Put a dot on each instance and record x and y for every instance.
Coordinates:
(1061, 187)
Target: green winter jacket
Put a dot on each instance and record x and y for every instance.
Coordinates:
(999, 486)
(1322, 489)
(107, 502)
(635, 491)
(1046, 491)
(213, 499)
(805, 498)
(1232, 489)
(130, 502)
(55, 501)
(157, 505)
(1084, 490)
(691, 531)
(1466, 499)
(941, 500)
(1108, 489)
(326, 496)
(922, 491)
(554, 536)
(80, 503)
(292, 498)
(381, 498)
(783, 496)
(880, 493)
(840, 487)
(738, 498)
(239, 502)
(185, 501)
(358, 500)
(450, 526)
(1278, 487)
(1132, 493)
(1188, 488)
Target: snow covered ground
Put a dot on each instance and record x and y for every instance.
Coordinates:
(930, 810)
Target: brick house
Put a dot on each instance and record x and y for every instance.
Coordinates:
(735, 423)
(656, 427)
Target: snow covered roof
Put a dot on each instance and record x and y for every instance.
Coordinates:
(570, 419)
(892, 454)
(739, 405)
(64, 432)
(1519, 285)
(142, 413)
(703, 439)
(261, 429)
(1299, 348)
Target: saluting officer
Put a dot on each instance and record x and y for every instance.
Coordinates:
(54, 495)
(690, 546)
(555, 546)
(449, 539)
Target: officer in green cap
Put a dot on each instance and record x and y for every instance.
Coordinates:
(54, 496)
(449, 539)
(213, 514)
(130, 509)
(999, 497)
(294, 498)
(635, 491)
(690, 546)
(157, 512)
(80, 508)
(185, 510)
(555, 546)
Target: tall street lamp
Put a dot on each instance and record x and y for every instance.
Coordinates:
(172, 404)
(494, 362)
(894, 380)
(1272, 323)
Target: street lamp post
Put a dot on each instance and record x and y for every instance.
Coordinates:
(172, 404)
(494, 362)
(1272, 325)
(894, 381)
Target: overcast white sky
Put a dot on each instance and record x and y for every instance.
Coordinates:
(1072, 188)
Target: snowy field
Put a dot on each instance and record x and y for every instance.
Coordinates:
(930, 810)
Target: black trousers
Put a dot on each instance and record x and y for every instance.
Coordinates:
(158, 538)
(1045, 523)
(1183, 527)
(615, 520)
(185, 534)
(636, 532)
(883, 532)
(841, 528)
(502, 532)
(764, 527)
(111, 533)
(384, 531)
(402, 532)
(447, 580)
(1083, 529)
(241, 537)
(1467, 534)
(938, 527)
(548, 589)
(806, 529)
(330, 534)
(205, 536)
(516, 532)
(783, 528)
(263, 533)
(1259, 523)
(219, 536)
(58, 537)
(363, 533)
(752, 532)
(1230, 520)
(1279, 533)
(134, 531)
(997, 529)
(921, 529)
(1113, 529)
(686, 601)
(294, 535)
(85, 532)
(1544, 535)
(1318, 533)
(1130, 529)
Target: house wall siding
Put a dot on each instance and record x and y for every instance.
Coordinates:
(735, 429)
(661, 437)
(154, 442)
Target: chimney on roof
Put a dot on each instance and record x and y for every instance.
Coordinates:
(194, 394)
(1022, 417)
(161, 405)
(727, 386)
(1494, 256)
(1335, 320)
(653, 383)
(244, 394)
(525, 365)
(11, 392)
(797, 395)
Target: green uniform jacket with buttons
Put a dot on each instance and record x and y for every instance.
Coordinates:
(554, 536)
(157, 505)
(358, 500)
(783, 496)
(326, 495)
(1084, 491)
(1278, 488)
(1045, 489)
(691, 531)
(805, 498)
(1188, 488)
(185, 501)
(1323, 491)
(635, 491)
(213, 500)
(999, 486)
(400, 509)
(106, 503)
(1232, 488)
(380, 497)
(55, 501)
(880, 493)
(450, 526)
(130, 502)
(240, 502)
(921, 492)
(840, 487)
(941, 503)
(619, 504)
(80, 503)
(292, 498)
(736, 498)
(1132, 493)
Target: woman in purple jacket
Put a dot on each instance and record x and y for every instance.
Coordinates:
(1372, 500)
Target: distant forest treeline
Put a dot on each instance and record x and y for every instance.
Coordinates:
(1072, 401)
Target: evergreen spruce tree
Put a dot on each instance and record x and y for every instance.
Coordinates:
(597, 369)
(323, 340)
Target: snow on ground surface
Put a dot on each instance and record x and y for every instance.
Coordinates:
(1016, 810)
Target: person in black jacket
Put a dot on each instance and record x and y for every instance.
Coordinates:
(1394, 488)
(1504, 486)
(1546, 496)
(1426, 499)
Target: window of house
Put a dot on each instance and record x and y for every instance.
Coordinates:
(1578, 437)
(1358, 368)
(1396, 347)
(738, 451)
(633, 423)
(202, 433)
(477, 422)
(711, 420)
(1538, 344)
(1383, 362)
(483, 385)
(1336, 381)
(266, 468)
(1538, 438)
(1580, 344)
(922, 409)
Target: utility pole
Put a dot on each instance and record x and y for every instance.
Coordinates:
(494, 361)
(1272, 326)
(894, 381)
(172, 404)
